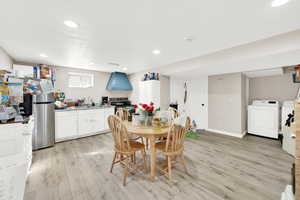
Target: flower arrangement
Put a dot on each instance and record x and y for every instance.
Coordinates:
(146, 112)
(148, 109)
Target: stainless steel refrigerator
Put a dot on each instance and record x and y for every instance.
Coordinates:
(44, 121)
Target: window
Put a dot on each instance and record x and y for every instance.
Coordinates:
(79, 80)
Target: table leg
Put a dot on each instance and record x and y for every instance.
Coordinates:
(153, 158)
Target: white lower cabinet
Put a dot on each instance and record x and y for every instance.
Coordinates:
(66, 125)
(107, 112)
(90, 121)
(15, 159)
(80, 123)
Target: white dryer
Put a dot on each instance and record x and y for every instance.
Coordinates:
(263, 118)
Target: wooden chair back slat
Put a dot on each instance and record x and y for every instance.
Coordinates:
(175, 138)
(123, 114)
(120, 134)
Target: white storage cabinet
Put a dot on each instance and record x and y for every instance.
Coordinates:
(150, 92)
(15, 159)
(81, 123)
(90, 121)
(66, 125)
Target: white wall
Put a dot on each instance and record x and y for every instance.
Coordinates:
(227, 104)
(96, 92)
(135, 79)
(279, 87)
(5, 60)
(197, 95)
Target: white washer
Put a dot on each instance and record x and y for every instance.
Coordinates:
(288, 143)
(263, 118)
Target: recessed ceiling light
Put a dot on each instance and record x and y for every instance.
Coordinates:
(91, 63)
(43, 55)
(124, 68)
(70, 24)
(156, 51)
(277, 3)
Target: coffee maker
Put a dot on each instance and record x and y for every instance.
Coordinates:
(26, 106)
(104, 100)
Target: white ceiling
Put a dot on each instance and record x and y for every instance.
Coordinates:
(277, 51)
(126, 32)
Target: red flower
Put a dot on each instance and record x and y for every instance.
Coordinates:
(135, 106)
(151, 108)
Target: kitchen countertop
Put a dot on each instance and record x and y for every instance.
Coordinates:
(24, 121)
(82, 108)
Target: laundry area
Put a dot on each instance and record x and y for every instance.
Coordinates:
(270, 110)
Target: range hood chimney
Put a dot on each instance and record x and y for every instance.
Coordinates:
(118, 81)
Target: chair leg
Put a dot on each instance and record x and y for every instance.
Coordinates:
(113, 162)
(147, 141)
(144, 159)
(134, 158)
(126, 170)
(183, 163)
(169, 168)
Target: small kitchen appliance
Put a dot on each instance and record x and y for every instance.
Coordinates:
(26, 106)
(263, 118)
(104, 100)
(120, 102)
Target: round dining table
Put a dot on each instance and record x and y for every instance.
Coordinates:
(150, 133)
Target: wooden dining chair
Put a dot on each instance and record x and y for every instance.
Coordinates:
(172, 148)
(125, 148)
(123, 114)
(173, 113)
(188, 123)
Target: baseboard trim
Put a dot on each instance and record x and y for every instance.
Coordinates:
(227, 133)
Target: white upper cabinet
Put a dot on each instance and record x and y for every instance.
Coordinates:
(23, 71)
(5, 61)
(150, 92)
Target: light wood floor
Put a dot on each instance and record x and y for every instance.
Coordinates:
(221, 167)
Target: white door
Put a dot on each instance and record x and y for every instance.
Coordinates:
(197, 99)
